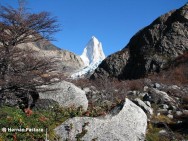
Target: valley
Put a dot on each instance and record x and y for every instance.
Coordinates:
(138, 93)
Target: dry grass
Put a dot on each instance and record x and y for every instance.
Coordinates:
(176, 74)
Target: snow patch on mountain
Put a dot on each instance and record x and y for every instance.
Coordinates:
(92, 56)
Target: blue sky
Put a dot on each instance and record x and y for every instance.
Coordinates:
(113, 22)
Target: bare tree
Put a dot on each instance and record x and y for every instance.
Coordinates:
(22, 69)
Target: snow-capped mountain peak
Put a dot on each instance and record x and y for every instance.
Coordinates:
(92, 56)
(93, 52)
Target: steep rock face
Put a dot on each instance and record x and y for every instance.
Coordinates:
(77, 61)
(46, 45)
(153, 47)
(112, 65)
(40, 45)
(69, 62)
(127, 123)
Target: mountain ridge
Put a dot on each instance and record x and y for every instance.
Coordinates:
(69, 62)
(151, 49)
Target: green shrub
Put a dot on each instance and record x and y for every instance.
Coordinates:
(15, 118)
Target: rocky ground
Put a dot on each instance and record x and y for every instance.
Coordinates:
(141, 109)
(138, 93)
(164, 104)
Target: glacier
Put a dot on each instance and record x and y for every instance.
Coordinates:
(92, 56)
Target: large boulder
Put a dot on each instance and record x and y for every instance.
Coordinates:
(128, 124)
(66, 94)
(152, 48)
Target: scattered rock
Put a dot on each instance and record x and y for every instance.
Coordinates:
(146, 88)
(160, 97)
(169, 111)
(164, 106)
(147, 103)
(147, 97)
(129, 124)
(185, 112)
(179, 113)
(174, 87)
(130, 93)
(163, 111)
(163, 132)
(141, 104)
(170, 116)
(87, 90)
(133, 93)
(67, 95)
(179, 122)
(142, 94)
(157, 85)
(174, 107)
